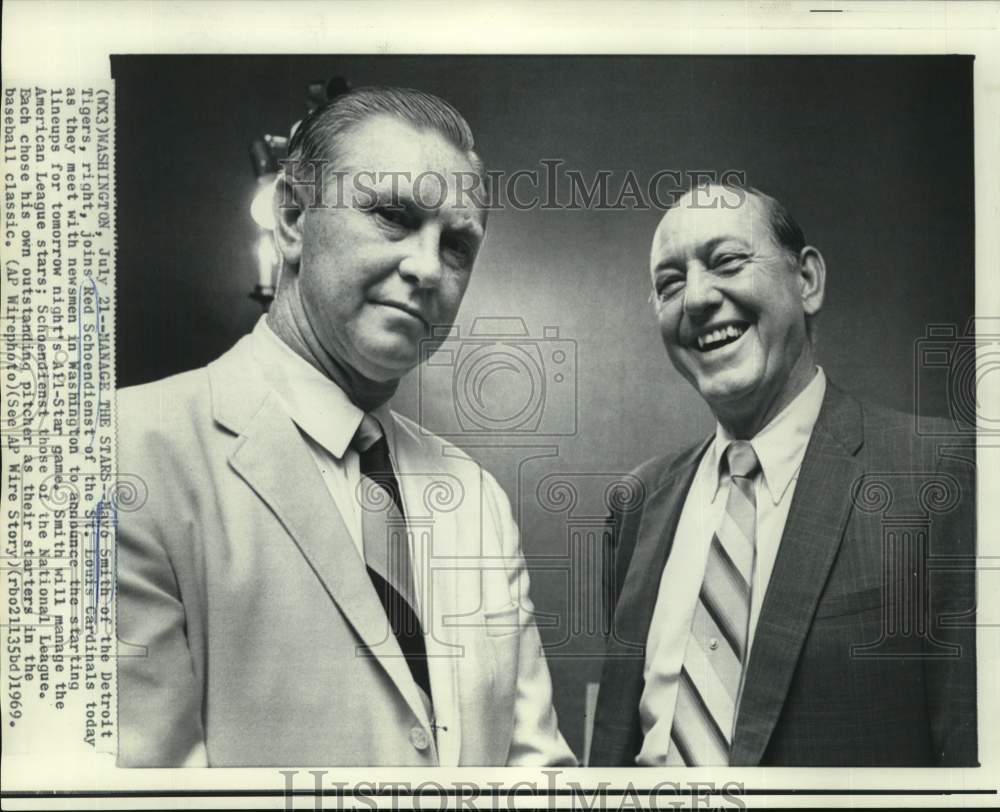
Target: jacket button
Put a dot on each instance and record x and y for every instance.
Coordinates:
(418, 738)
(713, 643)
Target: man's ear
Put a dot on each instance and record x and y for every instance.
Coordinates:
(812, 276)
(288, 221)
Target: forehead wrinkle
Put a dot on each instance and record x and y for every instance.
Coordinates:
(687, 231)
(702, 224)
(394, 153)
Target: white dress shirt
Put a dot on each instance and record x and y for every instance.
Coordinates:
(780, 446)
(326, 417)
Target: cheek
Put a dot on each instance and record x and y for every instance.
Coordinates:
(330, 302)
(453, 290)
(320, 289)
(680, 359)
(783, 321)
(668, 322)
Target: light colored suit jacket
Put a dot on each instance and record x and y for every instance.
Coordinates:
(253, 636)
(865, 650)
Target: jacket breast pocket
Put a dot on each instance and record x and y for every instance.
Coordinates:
(852, 603)
(502, 622)
(503, 643)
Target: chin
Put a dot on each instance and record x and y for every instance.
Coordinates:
(727, 389)
(384, 371)
(389, 366)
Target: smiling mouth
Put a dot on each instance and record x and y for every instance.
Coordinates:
(720, 337)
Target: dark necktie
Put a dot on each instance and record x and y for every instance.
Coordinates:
(386, 546)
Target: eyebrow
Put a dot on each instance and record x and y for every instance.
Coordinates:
(403, 199)
(469, 227)
(706, 248)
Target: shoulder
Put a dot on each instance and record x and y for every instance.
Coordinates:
(157, 396)
(166, 406)
(627, 501)
(878, 418)
(904, 438)
(188, 402)
(887, 431)
(915, 458)
(654, 472)
(444, 460)
(160, 446)
(423, 443)
(166, 427)
(922, 467)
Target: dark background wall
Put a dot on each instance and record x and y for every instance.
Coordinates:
(872, 155)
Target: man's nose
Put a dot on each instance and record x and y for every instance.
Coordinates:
(700, 291)
(422, 262)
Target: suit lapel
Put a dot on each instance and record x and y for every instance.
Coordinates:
(654, 542)
(809, 544)
(273, 459)
(622, 680)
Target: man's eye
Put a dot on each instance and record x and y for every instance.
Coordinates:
(458, 248)
(394, 215)
(668, 286)
(728, 262)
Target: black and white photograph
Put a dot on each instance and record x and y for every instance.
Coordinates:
(639, 286)
(558, 410)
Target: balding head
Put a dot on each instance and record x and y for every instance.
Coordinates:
(733, 298)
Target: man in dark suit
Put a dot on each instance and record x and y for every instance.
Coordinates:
(798, 588)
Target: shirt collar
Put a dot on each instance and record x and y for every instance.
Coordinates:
(781, 444)
(314, 402)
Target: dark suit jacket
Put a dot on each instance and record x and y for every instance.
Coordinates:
(864, 653)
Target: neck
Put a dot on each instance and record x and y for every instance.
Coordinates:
(288, 320)
(747, 423)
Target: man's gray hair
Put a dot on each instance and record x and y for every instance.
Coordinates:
(787, 233)
(785, 230)
(318, 135)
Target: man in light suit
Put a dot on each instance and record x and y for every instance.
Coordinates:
(779, 597)
(264, 625)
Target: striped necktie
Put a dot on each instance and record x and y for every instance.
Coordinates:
(387, 549)
(716, 650)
